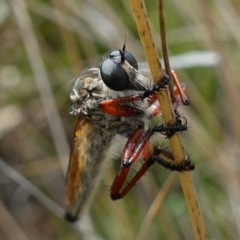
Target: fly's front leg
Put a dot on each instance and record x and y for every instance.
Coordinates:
(116, 106)
(155, 107)
(179, 91)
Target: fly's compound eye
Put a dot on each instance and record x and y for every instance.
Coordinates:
(113, 74)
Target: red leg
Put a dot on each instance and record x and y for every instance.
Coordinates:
(116, 192)
(115, 107)
(180, 89)
(185, 165)
(135, 144)
(112, 106)
(118, 183)
(139, 139)
(146, 151)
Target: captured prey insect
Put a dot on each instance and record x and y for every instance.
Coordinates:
(115, 98)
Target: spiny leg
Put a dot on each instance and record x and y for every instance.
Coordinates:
(135, 144)
(133, 147)
(139, 138)
(118, 193)
(116, 106)
(185, 165)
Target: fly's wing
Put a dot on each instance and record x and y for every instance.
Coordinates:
(76, 176)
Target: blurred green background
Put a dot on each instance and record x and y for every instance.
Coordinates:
(45, 44)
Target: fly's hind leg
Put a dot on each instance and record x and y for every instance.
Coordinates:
(136, 143)
(161, 156)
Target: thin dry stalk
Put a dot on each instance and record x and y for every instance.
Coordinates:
(164, 46)
(156, 204)
(168, 116)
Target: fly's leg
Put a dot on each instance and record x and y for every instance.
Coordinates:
(139, 138)
(116, 192)
(134, 146)
(180, 89)
(116, 106)
(146, 152)
(185, 165)
(179, 126)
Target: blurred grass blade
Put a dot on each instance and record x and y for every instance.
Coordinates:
(31, 189)
(41, 78)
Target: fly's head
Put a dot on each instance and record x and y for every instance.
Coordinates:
(118, 71)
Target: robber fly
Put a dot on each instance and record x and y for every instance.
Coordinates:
(115, 98)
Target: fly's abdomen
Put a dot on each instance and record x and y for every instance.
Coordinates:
(84, 169)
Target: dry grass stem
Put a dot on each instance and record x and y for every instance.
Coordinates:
(168, 116)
